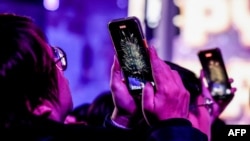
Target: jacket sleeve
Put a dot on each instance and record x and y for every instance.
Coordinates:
(108, 123)
(175, 130)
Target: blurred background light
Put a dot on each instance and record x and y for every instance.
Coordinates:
(153, 12)
(51, 5)
(122, 4)
(137, 8)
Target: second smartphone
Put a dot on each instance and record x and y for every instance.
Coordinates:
(131, 50)
(215, 73)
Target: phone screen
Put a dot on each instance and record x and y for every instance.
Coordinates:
(215, 73)
(131, 51)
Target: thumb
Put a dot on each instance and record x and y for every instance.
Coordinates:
(147, 100)
(116, 70)
(203, 80)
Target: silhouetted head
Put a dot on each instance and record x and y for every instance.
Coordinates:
(29, 79)
(101, 106)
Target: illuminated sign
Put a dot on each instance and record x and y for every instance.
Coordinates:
(200, 18)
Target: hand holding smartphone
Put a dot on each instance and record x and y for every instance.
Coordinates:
(131, 50)
(215, 73)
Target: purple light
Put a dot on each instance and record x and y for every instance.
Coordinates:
(122, 4)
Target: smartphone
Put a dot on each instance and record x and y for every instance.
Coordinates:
(131, 50)
(215, 73)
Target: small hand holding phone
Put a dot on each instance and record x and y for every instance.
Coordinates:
(215, 73)
(131, 50)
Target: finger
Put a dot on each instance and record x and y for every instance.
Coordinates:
(160, 70)
(231, 80)
(177, 79)
(148, 102)
(123, 80)
(116, 77)
(203, 80)
(204, 86)
(116, 70)
(233, 90)
(148, 97)
(201, 74)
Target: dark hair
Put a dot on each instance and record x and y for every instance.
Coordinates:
(27, 70)
(101, 106)
(80, 112)
(189, 80)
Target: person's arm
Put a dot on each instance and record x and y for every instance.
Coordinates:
(165, 107)
(111, 124)
(208, 108)
(218, 106)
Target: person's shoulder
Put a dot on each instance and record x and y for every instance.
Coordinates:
(176, 129)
